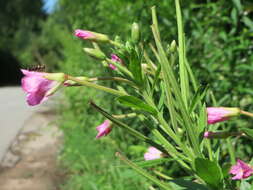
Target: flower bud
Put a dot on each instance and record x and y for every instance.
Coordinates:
(93, 36)
(220, 135)
(135, 32)
(95, 53)
(104, 129)
(60, 77)
(218, 114)
(173, 46)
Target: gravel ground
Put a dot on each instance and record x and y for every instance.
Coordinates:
(30, 142)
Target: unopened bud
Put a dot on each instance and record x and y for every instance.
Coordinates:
(135, 32)
(60, 77)
(220, 135)
(95, 53)
(173, 46)
(93, 36)
(218, 114)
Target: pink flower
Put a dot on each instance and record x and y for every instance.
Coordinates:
(36, 86)
(153, 153)
(218, 114)
(104, 129)
(241, 170)
(84, 34)
(114, 58)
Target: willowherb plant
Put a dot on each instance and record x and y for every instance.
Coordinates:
(164, 91)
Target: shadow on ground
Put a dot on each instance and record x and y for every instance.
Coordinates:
(10, 73)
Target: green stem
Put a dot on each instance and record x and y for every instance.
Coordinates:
(99, 87)
(160, 174)
(122, 116)
(246, 113)
(113, 79)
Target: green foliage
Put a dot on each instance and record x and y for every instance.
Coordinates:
(209, 171)
(91, 162)
(218, 45)
(133, 102)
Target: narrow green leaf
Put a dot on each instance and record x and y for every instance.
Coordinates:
(248, 22)
(157, 74)
(135, 67)
(202, 120)
(151, 163)
(238, 5)
(136, 103)
(248, 132)
(144, 173)
(162, 97)
(181, 52)
(209, 171)
(199, 95)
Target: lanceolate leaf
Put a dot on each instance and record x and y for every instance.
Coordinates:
(136, 103)
(135, 67)
(202, 120)
(209, 171)
(199, 95)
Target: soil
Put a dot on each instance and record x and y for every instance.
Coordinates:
(31, 161)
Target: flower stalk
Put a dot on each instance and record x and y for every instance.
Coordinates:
(96, 86)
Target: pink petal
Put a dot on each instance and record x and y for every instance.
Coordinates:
(36, 86)
(115, 58)
(103, 129)
(113, 67)
(83, 34)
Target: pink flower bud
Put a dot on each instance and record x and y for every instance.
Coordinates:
(36, 86)
(241, 170)
(220, 135)
(153, 153)
(93, 36)
(218, 114)
(84, 34)
(114, 58)
(104, 129)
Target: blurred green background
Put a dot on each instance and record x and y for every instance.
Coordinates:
(219, 37)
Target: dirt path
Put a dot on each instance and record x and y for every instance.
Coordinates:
(31, 161)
